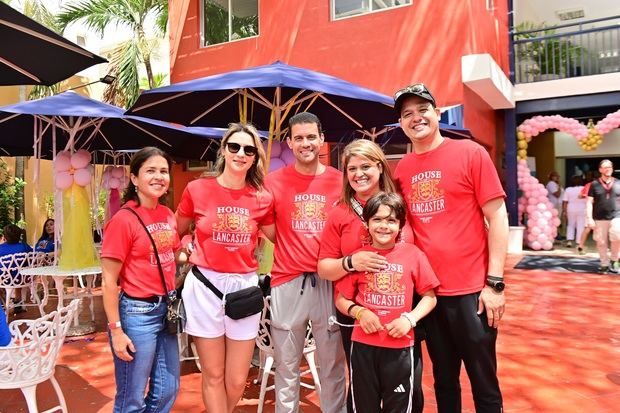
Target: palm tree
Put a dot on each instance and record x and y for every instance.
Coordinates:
(125, 59)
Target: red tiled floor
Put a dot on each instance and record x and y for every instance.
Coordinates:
(558, 351)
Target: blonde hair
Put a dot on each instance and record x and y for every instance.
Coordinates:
(364, 148)
(255, 176)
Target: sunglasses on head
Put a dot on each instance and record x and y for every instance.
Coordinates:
(416, 88)
(248, 150)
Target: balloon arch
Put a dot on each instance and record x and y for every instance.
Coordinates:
(543, 219)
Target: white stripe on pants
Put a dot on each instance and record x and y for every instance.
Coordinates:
(604, 231)
(290, 312)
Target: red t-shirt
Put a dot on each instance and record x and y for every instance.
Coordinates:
(584, 191)
(445, 190)
(125, 240)
(301, 205)
(345, 233)
(227, 224)
(389, 293)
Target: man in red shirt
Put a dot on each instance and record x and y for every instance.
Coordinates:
(303, 194)
(451, 187)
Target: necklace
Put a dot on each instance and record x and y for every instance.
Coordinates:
(607, 186)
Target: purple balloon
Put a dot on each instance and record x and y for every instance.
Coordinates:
(276, 163)
(287, 156)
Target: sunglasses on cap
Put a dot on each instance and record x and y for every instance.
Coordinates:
(417, 89)
(248, 150)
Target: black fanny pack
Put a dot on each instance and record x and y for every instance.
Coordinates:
(239, 304)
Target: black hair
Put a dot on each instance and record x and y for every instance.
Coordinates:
(12, 233)
(44, 234)
(137, 160)
(304, 117)
(392, 200)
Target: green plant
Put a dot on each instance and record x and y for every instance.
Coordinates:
(10, 195)
(551, 55)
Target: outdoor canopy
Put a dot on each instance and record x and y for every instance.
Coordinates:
(68, 120)
(273, 93)
(31, 54)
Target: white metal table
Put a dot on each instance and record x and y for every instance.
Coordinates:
(59, 275)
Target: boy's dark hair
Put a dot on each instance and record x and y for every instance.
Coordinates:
(304, 117)
(392, 200)
(12, 233)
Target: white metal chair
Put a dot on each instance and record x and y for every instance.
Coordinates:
(31, 358)
(265, 344)
(11, 279)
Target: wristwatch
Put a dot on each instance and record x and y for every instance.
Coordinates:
(496, 283)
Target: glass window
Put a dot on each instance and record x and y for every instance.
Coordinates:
(227, 20)
(346, 8)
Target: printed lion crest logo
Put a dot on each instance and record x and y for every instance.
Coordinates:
(384, 283)
(425, 190)
(232, 223)
(310, 210)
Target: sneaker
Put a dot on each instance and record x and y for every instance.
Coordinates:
(603, 269)
(580, 251)
(569, 244)
(614, 267)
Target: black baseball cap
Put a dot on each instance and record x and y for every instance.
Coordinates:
(417, 89)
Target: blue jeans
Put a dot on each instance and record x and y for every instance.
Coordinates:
(155, 362)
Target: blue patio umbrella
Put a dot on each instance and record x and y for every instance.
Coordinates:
(68, 120)
(32, 54)
(267, 96)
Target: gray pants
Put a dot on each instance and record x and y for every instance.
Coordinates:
(290, 313)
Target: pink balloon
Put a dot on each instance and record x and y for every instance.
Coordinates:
(542, 238)
(536, 215)
(80, 159)
(535, 245)
(541, 207)
(556, 222)
(114, 183)
(532, 201)
(536, 231)
(547, 215)
(117, 172)
(82, 177)
(530, 209)
(531, 238)
(542, 222)
(547, 245)
(535, 193)
(108, 169)
(62, 162)
(275, 163)
(63, 180)
(287, 156)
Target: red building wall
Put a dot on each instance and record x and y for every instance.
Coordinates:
(383, 50)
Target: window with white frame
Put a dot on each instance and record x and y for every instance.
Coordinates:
(228, 20)
(346, 8)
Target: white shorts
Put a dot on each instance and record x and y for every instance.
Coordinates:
(205, 312)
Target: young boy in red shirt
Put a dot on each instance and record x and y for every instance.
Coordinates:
(382, 351)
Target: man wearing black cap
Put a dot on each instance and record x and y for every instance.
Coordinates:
(451, 187)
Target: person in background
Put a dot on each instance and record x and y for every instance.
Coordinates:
(554, 192)
(46, 240)
(574, 209)
(587, 230)
(603, 215)
(5, 334)
(382, 364)
(12, 245)
(146, 356)
(229, 210)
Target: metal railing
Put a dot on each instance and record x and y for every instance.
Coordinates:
(586, 48)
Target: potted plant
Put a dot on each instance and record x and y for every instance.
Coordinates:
(547, 55)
